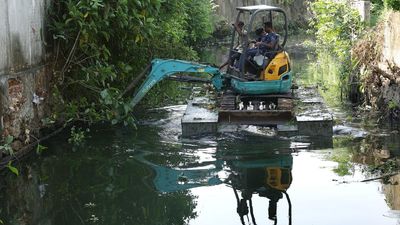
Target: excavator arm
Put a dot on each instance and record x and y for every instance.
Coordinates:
(163, 68)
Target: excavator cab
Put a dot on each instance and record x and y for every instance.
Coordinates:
(263, 63)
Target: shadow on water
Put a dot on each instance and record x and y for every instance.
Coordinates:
(153, 176)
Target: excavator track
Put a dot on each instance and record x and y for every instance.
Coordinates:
(227, 100)
(269, 110)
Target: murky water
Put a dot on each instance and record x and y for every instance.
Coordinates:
(152, 176)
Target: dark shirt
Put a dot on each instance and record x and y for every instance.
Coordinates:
(267, 39)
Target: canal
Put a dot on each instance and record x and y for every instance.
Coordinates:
(151, 175)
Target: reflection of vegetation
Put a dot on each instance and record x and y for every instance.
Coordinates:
(387, 167)
(343, 158)
(99, 184)
(344, 141)
(324, 72)
(372, 152)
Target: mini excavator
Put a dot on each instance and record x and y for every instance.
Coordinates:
(259, 83)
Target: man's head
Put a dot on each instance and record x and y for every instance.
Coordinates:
(268, 26)
(260, 31)
(240, 24)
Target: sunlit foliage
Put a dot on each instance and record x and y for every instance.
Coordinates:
(336, 26)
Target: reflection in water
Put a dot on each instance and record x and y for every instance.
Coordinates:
(96, 184)
(269, 178)
(247, 170)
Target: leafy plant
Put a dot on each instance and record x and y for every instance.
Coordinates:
(78, 136)
(12, 168)
(392, 105)
(336, 26)
(102, 45)
(393, 4)
(40, 148)
(6, 147)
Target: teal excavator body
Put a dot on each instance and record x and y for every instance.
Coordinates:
(164, 68)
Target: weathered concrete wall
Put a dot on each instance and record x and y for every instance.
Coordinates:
(296, 11)
(391, 43)
(23, 75)
(386, 86)
(364, 9)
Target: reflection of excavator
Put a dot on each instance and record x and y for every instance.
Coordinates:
(272, 75)
(269, 179)
(269, 176)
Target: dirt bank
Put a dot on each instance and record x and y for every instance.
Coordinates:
(379, 55)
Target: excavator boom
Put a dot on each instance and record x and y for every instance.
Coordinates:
(163, 68)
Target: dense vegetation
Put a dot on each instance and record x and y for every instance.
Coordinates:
(100, 46)
(336, 26)
(391, 4)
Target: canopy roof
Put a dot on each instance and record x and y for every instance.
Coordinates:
(253, 8)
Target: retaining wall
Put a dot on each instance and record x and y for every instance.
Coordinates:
(24, 78)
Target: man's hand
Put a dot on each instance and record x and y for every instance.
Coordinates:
(258, 44)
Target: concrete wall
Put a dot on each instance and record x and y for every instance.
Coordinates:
(391, 43)
(364, 9)
(22, 68)
(296, 11)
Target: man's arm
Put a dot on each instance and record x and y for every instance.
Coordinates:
(269, 42)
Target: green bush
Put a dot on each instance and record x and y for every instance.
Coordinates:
(393, 4)
(336, 26)
(100, 46)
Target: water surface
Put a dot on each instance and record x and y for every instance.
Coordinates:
(151, 175)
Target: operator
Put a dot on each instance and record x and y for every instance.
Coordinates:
(271, 41)
(260, 46)
(235, 55)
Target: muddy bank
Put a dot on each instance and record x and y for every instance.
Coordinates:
(379, 60)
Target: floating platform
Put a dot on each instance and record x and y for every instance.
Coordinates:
(300, 113)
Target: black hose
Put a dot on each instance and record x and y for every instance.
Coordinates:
(290, 207)
(252, 212)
